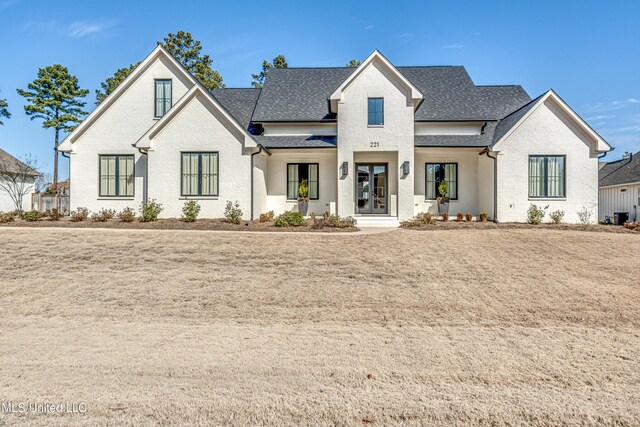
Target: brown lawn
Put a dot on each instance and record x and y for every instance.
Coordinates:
(447, 328)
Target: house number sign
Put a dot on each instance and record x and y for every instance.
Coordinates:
(374, 144)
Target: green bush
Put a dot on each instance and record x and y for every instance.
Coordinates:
(190, 211)
(149, 211)
(584, 215)
(289, 219)
(31, 216)
(556, 216)
(79, 215)
(535, 215)
(6, 217)
(127, 215)
(232, 212)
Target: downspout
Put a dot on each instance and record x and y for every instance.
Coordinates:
(145, 192)
(495, 184)
(260, 150)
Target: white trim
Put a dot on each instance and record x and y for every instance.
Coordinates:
(620, 185)
(67, 144)
(336, 96)
(600, 145)
(145, 141)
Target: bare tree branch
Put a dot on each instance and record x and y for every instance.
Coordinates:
(17, 177)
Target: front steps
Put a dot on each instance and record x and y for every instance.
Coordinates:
(377, 221)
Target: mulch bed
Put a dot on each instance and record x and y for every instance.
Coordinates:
(455, 225)
(174, 224)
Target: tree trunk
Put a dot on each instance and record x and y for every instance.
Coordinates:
(55, 162)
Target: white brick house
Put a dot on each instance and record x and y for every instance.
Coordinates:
(373, 142)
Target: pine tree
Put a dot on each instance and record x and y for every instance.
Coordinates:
(55, 97)
(4, 110)
(278, 62)
(112, 82)
(187, 51)
(353, 63)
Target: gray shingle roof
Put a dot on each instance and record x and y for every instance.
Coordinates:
(11, 164)
(483, 140)
(239, 102)
(505, 124)
(300, 94)
(623, 171)
(297, 141)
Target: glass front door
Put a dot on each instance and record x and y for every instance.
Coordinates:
(371, 189)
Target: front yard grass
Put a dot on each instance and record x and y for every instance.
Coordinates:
(496, 327)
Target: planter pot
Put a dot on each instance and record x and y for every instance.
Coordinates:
(443, 206)
(303, 207)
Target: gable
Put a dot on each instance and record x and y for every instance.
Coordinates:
(551, 114)
(197, 114)
(384, 67)
(128, 112)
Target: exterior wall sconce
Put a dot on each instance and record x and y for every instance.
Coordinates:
(344, 169)
(406, 168)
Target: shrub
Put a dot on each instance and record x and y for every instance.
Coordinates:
(103, 215)
(459, 217)
(190, 211)
(31, 216)
(556, 216)
(425, 218)
(289, 219)
(127, 215)
(331, 221)
(6, 217)
(232, 212)
(445, 216)
(55, 215)
(483, 216)
(79, 215)
(267, 217)
(535, 214)
(443, 189)
(585, 216)
(149, 211)
(469, 217)
(411, 223)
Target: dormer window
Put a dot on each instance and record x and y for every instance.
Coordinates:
(162, 97)
(376, 112)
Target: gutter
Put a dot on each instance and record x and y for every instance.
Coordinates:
(495, 183)
(260, 150)
(601, 156)
(145, 152)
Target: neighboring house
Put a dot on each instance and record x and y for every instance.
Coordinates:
(16, 179)
(372, 141)
(620, 188)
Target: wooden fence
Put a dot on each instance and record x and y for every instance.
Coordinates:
(46, 202)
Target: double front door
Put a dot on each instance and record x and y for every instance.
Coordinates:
(371, 188)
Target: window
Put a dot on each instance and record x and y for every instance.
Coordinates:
(435, 173)
(296, 172)
(199, 174)
(116, 176)
(376, 111)
(546, 176)
(163, 97)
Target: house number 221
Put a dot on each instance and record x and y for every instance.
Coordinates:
(374, 144)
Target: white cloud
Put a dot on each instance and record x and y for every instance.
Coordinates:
(369, 27)
(611, 106)
(453, 46)
(83, 28)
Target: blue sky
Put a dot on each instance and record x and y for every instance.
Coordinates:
(587, 51)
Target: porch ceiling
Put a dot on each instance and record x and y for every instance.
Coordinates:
(483, 140)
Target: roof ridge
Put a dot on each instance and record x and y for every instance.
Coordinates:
(235, 88)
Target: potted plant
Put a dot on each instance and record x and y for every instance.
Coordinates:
(443, 200)
(303, 197)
